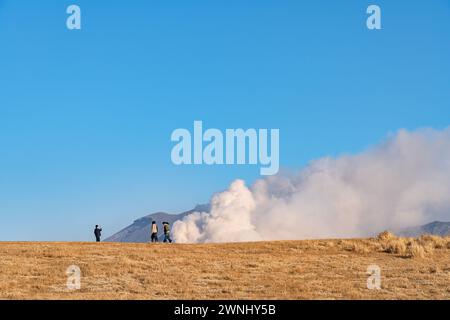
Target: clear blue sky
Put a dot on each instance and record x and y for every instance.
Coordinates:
(86, 116)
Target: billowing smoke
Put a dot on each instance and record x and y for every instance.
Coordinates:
(402, 182)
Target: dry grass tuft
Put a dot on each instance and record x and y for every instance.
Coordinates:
(385, 236)
(395, 246)
(415, 250)
(421, 247)
(432, 241)
(359, 248)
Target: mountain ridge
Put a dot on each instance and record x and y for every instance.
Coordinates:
(139, 230)
(438, 228)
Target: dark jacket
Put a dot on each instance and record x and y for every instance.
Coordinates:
(98, 232)
(166, 228)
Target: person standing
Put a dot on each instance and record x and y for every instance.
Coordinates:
(166, 227)
(154, 231)
(97, 233)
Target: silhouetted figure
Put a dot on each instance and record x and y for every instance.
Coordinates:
(154, 230)
(97, 233)
(166, 227)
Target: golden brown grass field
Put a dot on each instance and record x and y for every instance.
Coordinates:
(312, 269)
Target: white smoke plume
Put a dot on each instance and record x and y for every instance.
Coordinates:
(402, 182)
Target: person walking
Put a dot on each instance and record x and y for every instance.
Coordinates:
(97, 233)
(166, 227)
(154, 231)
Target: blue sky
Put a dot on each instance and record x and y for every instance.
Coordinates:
(86, 116)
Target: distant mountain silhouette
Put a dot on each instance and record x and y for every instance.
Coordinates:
(139, 230)
(437, 228)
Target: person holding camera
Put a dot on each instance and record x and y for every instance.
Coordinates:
(97, 233)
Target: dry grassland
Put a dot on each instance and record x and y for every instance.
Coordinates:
(313, 269)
